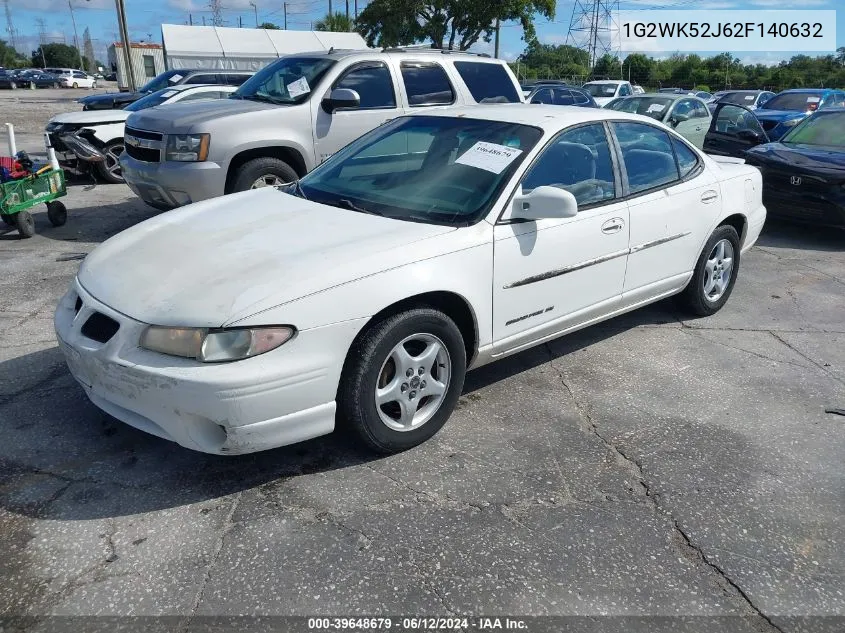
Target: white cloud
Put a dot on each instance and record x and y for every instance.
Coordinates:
(788, 4)
(60, 6)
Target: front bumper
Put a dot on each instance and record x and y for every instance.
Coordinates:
(281, 397)
(167, 185)
(810, 208)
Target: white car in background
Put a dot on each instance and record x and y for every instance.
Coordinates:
(77, 79)
(362, 293)
(104, 128)
(606, 91)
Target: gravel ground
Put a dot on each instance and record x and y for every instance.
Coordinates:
(29, 110)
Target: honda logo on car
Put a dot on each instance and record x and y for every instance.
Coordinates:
(795, 180)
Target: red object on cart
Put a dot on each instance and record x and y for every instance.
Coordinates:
(13, 167)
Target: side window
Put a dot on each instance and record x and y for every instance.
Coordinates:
(647, 154)
(624, 90)
(201, 79)
(687, 159)
(700, 110)
(488, 82)
(78, 74)
(426, 84)
(579, 97)
(764, 97)
(563, 97)
(234, 80)
(579, 161)
(372, 83)
(684, 109)
(149, 66)
(732, 120)
(544, 95)
(838, 99)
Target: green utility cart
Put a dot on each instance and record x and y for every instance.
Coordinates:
(18, 196)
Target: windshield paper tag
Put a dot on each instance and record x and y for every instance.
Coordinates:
(298, 87)
(169, 93)
(489, 157)
(813, 99)
(749, 98)
(175, 78)
(656, 107)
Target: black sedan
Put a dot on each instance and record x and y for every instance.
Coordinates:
(39, 79)
(803, 173)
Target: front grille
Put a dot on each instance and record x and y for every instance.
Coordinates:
(142, 153)
(100, 328)
(151, 136)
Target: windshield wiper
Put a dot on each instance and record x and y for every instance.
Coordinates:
(353, 207)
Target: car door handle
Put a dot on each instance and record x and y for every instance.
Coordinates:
(614, 225)
(709, 196)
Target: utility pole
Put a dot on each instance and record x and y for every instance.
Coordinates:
(255, 8)
(203, 20)
(330, 8)
(496, 47)
(10, 26)
(356, 9)
(285, 7)
(216, 7)
(75, 36)
(347, 10)
(127, 45)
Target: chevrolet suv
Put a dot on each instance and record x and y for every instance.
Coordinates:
(292, 115)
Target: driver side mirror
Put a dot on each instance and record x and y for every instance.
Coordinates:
(341, 98)
(678, 118)
(544, 202)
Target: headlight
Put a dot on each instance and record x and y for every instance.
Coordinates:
(214, 346)
(791, 122)
(187, 147)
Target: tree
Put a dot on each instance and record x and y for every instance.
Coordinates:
(59, 55)
(10, 58)
(607, 66)
(637, 67)
(451, 24)
(840, 55)
(337, 22)
(269, 25)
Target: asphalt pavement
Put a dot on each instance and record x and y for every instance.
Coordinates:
(648, 466)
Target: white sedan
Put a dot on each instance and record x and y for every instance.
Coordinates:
(361, 294)
(104, 128)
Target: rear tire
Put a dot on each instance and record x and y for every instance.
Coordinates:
(715, 274)
(26, 224)
(270, 171)
(402, 379)
(57, 213)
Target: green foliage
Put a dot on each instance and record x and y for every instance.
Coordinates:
(10, 58)
(451, 24)
(270, 26)
(58, 55)
(686, 71)
(337, 22)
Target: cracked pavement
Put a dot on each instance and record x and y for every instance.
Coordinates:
(647, 466)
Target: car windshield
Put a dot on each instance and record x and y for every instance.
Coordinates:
(285, 82)
(654, 107)
(798, 101)
(437, 170)
(150, 101)
(826, 128)
(600, 90)
(165, 79)
(739, 98)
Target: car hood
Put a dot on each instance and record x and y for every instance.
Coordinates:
(224, 259)
(196, 115)
(809, 158)
(110, 97)
(778, 115)
(92, 117)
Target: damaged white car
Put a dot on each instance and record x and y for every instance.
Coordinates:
(361, 294)
(96, 136)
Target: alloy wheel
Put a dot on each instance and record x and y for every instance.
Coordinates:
(717, 270)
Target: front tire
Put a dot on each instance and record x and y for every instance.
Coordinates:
(263, 172)
(715, 273)
(109, 169)
(75, 85)
(402, 379)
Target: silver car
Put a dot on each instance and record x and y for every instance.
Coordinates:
(688, 115)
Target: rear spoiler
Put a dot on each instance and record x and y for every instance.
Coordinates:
(727, 159)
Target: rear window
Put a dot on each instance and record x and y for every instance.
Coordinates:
(426, 84)
(488, 83)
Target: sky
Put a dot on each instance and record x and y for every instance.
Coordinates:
(146, 16)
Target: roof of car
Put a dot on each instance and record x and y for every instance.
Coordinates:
(809, 90)
(340, 53)
(548, 117)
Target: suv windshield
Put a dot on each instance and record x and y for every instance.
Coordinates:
(655, 107)
(163, 80)
(799, 101)
(600, 90)
(826, 128)
(287, 81)
(437, 170)
(156, 98)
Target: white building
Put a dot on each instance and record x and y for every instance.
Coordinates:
(147, 62)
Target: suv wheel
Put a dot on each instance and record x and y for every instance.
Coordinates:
(109, 169)
(263, 172)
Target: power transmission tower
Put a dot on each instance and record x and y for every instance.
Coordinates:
(593, 27)
(216, 7)
(10, 26)
(42, 39)
(88, 48)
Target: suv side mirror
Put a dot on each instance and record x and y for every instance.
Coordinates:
(544, 202)
(341, 98)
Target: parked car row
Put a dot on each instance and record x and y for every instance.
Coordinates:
(46, 78)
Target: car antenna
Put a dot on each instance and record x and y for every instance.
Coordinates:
(331, 50)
